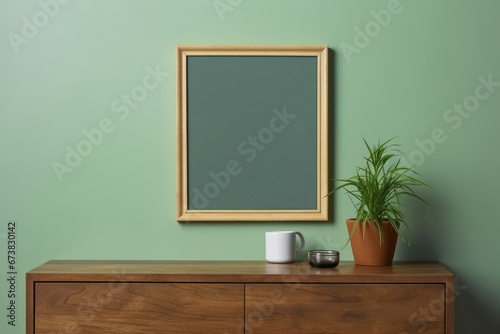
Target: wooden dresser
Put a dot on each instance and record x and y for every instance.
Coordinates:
(221, 297)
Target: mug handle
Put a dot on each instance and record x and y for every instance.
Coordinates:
(302, 241)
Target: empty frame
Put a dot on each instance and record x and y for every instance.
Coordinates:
(252, 133)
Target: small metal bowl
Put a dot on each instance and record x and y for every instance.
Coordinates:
(323, 258)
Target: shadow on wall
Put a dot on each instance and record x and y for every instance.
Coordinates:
(471, 315)
(332, 85)
(427, 236)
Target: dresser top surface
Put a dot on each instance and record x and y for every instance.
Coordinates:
(235, 271)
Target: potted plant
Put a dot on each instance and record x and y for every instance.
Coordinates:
(376, 191)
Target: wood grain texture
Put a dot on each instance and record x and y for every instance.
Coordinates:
(252, 50)
(137, 308)
(181, 134)
(323, 126)
(345, 308)
(237, 272)
(30, 306)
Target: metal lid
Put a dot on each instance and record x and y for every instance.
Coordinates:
(323, 252)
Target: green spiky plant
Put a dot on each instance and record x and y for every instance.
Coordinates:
(377, 189)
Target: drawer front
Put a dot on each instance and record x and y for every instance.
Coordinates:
(345, 308)
(79, 308)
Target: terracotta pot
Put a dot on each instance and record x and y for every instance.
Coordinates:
(368, 251)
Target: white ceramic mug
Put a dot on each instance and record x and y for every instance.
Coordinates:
(281, 246)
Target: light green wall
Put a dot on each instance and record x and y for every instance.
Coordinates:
(119, 202)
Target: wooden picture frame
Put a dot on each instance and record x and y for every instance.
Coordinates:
(302, 73)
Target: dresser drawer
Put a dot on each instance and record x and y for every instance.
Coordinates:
(125, 307)
(345, 308)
